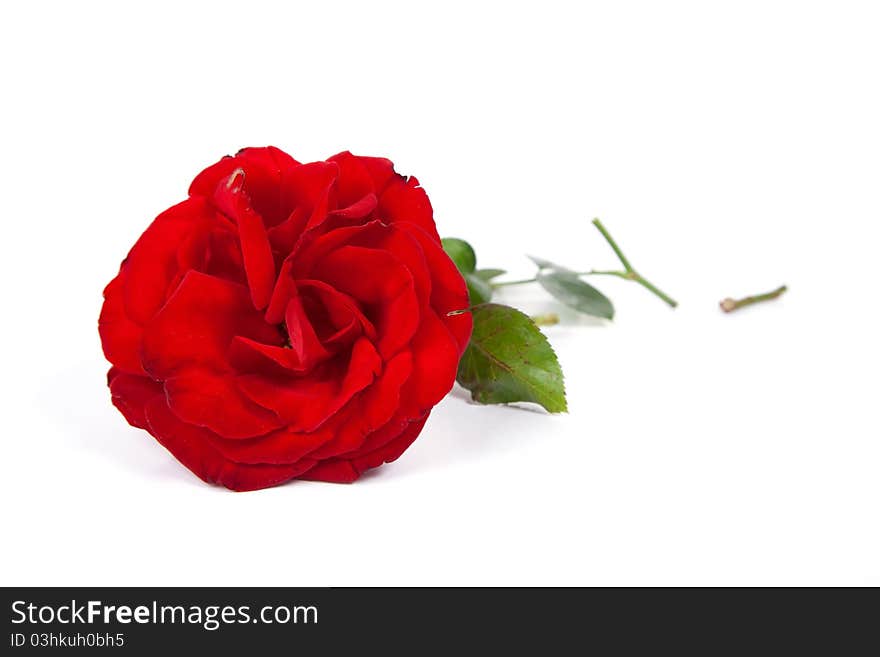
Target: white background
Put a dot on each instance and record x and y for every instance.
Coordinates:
(730, 147)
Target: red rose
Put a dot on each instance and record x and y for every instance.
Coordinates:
(286, 321)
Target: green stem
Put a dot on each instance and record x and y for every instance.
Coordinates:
(636, 277)
(596, 272)
(648, 285)
(728, 305)
(630, 273)
(523, 281)
(520, 282)
(627, 275)
(613, 244)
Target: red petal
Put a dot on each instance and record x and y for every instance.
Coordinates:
(248, 356)
(342, 311)
(380, 437)
(408, 250)
(230, 198)
(448, 291)
(381, 282)
(333, 472)
(354, 181)
(305, 403)
(223, 256)
(265, 169)
(435, 363)
(381, 170)
(214, 401)
(393, 448)
(342, 433)
(307, 189)
(192, 447)
(345, 471)
(359, 173)
(206, 181)
(152, 264)
(285, 288)
(120, 337)
(278, 447)
(316, 245)
(372, 409)
(130, 394)
(288, 304)
(406, 201)
(301, 334)
(197, 324)
(284, 236)
(359, 209)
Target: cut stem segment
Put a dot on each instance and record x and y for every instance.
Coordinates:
(728, 305)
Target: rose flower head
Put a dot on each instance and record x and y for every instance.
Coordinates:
(286, 320)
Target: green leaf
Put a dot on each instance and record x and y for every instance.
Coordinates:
(508, 359)
(573, 292)
(479, 287)
(567, 287)
(461, 253)
(546, 264)
(479, 291)
(489, 274)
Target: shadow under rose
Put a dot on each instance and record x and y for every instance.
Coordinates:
(460, 430)
(77, 400)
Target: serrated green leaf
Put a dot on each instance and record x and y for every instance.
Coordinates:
(461, 253)
(508, 359)
(489, 274)
(575, 293)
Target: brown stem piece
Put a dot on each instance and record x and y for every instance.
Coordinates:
(728, 305)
